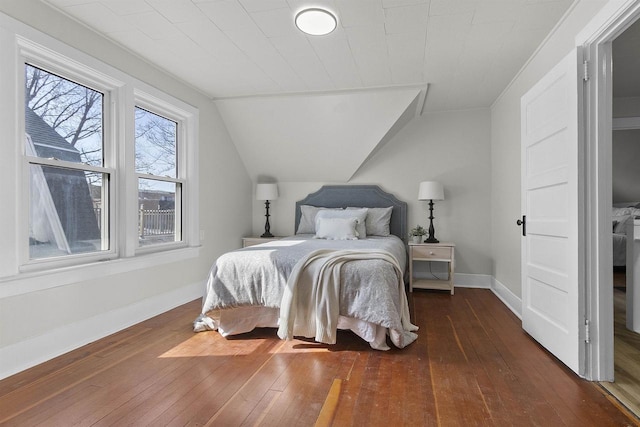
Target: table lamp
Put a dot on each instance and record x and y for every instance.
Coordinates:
(267, 192)
(431, 190)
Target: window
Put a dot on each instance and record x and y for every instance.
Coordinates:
(159, 189)
(107, 167)
(68, 182)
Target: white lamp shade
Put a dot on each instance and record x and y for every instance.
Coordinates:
(266, 191)
(430, 190)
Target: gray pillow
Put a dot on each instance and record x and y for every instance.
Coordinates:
(377, 221)
(307, 224)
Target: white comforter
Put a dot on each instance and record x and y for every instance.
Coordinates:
(257, 277)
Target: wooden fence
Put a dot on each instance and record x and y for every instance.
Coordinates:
(151, 222)
(156, 222)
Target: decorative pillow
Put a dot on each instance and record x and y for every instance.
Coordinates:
(377, 221)
(621, 211)
(307, 224)
(359, 214)
(336, 228)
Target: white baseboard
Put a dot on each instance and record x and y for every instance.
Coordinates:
(464, 280)
(513, 302)
(485, 281)
(31, 352)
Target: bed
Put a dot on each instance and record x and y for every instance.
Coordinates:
(623, 215)
(306, 286)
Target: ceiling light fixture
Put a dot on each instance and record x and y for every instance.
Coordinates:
(316, 22)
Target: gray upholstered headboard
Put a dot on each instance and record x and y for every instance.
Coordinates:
(367, 196)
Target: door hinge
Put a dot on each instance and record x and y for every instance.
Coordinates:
(587, 332)
(585, 71)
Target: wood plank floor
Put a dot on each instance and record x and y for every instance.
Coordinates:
(626, 385)
(471, 365)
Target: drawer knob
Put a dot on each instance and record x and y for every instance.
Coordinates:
(431, 253)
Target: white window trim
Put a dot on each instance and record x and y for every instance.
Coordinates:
(187, 165)
(69, 68)
(27, 282)
(19, 42)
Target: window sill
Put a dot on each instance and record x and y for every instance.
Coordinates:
(24, 283)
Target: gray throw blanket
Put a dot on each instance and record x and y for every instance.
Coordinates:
(310, 304)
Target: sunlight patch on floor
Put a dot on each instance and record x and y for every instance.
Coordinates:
(202, 345)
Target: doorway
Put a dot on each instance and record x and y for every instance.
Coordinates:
(609, 93)
(625, 209)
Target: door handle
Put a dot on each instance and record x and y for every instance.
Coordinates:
(523, 223)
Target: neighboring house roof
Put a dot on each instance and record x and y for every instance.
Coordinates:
(48, 143)
(68, 188)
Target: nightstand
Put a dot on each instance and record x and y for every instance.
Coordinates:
(432, 252)
(250, 241)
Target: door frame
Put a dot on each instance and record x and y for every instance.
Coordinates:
(596, 39)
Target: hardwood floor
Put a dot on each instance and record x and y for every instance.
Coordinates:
(471, 365)
(626, 385)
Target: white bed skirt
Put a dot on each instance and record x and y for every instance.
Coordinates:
(234, 321)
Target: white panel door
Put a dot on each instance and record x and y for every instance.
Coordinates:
(552, 311)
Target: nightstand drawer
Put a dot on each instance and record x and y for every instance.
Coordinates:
(431, 253)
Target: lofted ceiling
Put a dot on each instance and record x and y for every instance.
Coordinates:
(264, 74)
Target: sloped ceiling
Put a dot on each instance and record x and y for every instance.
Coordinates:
(320, 137)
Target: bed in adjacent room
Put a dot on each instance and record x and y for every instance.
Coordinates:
(343, 269)
(623, 215)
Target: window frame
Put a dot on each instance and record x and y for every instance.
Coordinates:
(168, 111)
(121, 94)
(65, 67)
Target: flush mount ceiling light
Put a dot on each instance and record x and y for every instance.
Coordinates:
(316, 22)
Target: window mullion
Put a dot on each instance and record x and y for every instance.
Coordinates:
(56, 163)
(160, 178)
(127, 185)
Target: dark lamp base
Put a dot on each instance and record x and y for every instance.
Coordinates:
(267, 235)
(431, 238)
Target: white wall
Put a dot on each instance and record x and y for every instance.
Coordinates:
(626, 107)
(505, 143)
(45, 319)
(450, 147)
(626, 173)
(626, 151)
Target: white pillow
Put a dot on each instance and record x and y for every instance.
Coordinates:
(307, 224)
(358, 214)
(336, 228)
(377, 221)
